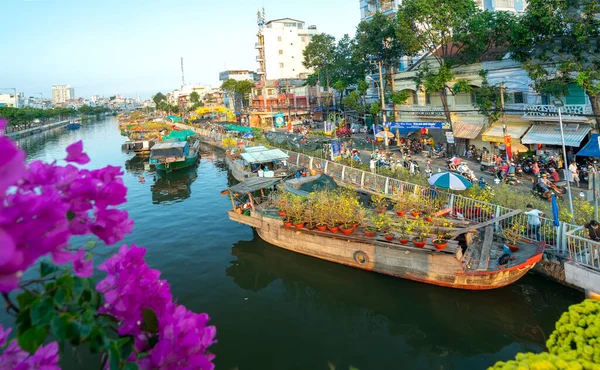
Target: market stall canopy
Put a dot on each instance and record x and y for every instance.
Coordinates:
(592, 148)
(237, 128)
(179, 135)
(466, 130)
(515, 147)
(253, 184)
(495, 133)
(174, 119)
(549, 134)
(383, 134)
(403, 132)
(172, 149)
(265, 156)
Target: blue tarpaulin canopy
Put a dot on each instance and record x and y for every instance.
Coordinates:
(592, 148)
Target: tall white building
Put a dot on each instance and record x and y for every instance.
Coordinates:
(62, 93)
(369, 7)
(280, 46)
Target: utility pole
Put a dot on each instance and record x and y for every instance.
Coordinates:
(504, 130)
(381, 87)
(182, 75)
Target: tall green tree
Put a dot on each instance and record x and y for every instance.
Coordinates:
(242, 90)
(230, 88)
(159, 98)
(195, 97)
(319, 55)
(558, 42)
(453, 33)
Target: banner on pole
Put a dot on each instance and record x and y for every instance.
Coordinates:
(508, 145)
(336, 149)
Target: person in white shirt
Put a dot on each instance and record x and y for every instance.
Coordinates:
(534, 221)
(574, 173)
(260, 171)
(373, 165)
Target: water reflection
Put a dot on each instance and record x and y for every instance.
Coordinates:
(173, 187)
(433, 320)
(138, 166)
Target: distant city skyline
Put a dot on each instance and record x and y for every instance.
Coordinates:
(128, 47)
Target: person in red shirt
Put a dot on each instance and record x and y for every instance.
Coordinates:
(505, 170)
(555, 175)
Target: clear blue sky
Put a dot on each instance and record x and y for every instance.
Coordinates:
(127, 46)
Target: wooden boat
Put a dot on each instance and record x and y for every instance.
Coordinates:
(74, 124)
(138, 147)
(250, 163)
(474, 268)
(171, 156)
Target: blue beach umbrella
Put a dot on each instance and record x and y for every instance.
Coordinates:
(450, 180)
(248, 135)
(555, 211)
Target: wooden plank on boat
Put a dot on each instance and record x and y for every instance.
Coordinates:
(485, 223)
(484, 258)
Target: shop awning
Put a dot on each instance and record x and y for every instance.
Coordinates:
(549, 134)
(495, 133)
(592, 148)
(466, 130)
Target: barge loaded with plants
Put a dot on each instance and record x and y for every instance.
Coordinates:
(258, 161)
(415, 240)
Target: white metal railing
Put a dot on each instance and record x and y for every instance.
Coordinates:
(565, 238)
(538, 110)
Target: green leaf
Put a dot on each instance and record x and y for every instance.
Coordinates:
(47, 268)
(23, 320)
(42, 311)
(59, 327)
(150, 323)
(25, 299)
(66, 281)
(70, 215)
(31, 339)
(79, 285)
(73, 333)
(125, 346)
(60, 297)
(114, 357)
(130, 366)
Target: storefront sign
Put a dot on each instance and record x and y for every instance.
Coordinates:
(328, 127)
(449, 137)
(279, 121)
(417, 125)
(336, 149)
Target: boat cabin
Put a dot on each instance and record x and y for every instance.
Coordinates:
(259, 161)
(138, 146)
(169, 152)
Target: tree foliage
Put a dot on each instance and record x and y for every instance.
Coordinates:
(239, 90)
(319, 55)
(194, 97)
(558, 42)
(159, 98)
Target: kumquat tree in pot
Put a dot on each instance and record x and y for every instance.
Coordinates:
(130, 316)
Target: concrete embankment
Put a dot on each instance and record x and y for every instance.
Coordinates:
(35, 130)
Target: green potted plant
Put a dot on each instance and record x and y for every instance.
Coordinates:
(347, 204)
(296, 210)
(380, 203)
(282, 201)
(320, 210)
(310, 214)
(332, 213)
(381, 223)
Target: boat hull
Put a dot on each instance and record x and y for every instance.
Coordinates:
(73, 126)
(422, 265)
(174, 166)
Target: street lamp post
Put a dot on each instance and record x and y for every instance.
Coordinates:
(559, 105)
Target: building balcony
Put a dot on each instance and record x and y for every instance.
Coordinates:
(573, 113)
(259, 58)
(258, 46)
(259, 72)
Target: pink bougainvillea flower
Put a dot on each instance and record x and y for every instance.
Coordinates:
(46, 358)
(4, 335)
(12, 164)
(75, 153)
(81, 265)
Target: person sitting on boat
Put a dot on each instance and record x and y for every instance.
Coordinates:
(261, 172)
(247, 205)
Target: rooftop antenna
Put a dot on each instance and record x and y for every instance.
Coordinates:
(182, 76)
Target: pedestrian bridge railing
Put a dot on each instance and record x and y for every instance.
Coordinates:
(565, 238)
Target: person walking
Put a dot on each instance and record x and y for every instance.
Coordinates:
(534, 222)
(373, 165)
(574, 173)
(536, 169)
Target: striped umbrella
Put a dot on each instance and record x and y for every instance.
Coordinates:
(449, 180)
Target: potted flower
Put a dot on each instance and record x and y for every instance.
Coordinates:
(380, 203)
(287, 222)
(415, 206)
(309, 214)
(282, 202)
(331, 206)
(423, 231)
(404, 228)
(441, 242)
(370, 231)
(296, 210)
(346, 206)
(512, 234)
(400, 205)
(320, 211)
(382, 223)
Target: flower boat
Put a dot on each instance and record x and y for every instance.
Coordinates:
(74, 124)
(179, 150)
(258, 161)
(474, 265)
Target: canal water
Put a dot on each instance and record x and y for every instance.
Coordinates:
(274, 309)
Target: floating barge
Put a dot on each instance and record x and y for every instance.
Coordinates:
(473, 266)
(250, 163)
(140, 148)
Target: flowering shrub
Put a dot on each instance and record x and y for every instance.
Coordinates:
(43, 205)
